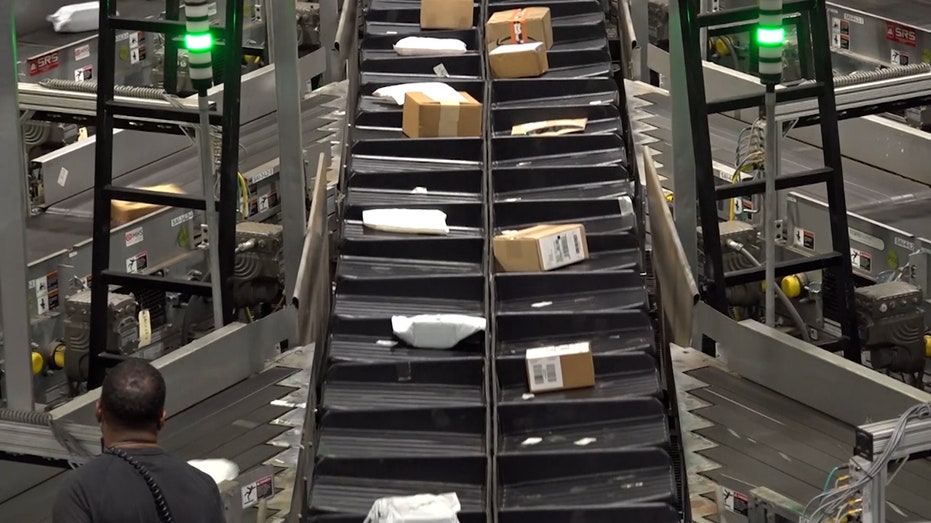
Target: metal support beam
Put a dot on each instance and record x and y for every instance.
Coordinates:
(329, 21)
(289, 91)
(683, 164)
(16, 331)
(640, 18)
(849, 392)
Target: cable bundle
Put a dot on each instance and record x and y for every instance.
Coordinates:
(841, 501)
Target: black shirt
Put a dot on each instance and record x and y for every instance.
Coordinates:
(109, 490)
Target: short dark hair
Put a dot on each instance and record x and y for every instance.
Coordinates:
(133, 395)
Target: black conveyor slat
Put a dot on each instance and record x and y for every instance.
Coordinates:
(387, 407)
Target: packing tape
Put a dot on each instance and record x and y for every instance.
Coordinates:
(449, 118)
(517, 26)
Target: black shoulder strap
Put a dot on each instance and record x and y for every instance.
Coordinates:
(164, 514)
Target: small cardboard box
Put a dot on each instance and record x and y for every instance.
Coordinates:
(447, 14)
(561, 367)
(124, 212)
(519, 26)
(518, 60)
(541, 248)
(425, 117)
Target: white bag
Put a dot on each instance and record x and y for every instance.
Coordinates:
(76, 18)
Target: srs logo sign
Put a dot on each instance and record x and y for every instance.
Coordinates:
(901, 34)
(43, 64)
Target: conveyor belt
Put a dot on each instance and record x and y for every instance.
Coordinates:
(765, 439)
(45, 39)
(866, 187)
(233, 424)
(388, 407)
(69, 222)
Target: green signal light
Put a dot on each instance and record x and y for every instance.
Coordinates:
(770, 36)
(198, 42)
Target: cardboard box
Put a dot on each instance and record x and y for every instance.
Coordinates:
(561, 367)
(425, 117)
(518, 60)
(519, 26)
(541, 248)
(124, 212)
(447, 14)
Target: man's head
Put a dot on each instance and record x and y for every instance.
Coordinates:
(132, 399)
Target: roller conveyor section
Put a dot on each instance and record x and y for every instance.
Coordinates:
(596, 425)
(606, 332)
(570, 292)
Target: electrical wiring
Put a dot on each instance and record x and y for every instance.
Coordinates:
(244, 194)
(834, 501)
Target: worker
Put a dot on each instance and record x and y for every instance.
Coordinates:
(135, 480)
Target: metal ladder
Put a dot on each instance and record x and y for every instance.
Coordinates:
(836, 265)
(112, 114)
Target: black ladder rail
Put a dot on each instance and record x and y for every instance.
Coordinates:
(836, 265)
(105, 192)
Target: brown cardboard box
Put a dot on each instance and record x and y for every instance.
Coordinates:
(560, 367)
(124, 212)
(519, 26)
(447, 14)
(518, 60)
(541, 248)
(425, 117)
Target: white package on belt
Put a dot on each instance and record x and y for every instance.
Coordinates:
(76, 18)
(435, 90)
(411, 221)
(219, 470)
(424, 46)
(436, 331)
(422, 508)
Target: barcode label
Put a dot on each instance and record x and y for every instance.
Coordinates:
(562, 249)
(545, 374)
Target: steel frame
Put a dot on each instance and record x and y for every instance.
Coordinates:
(105, 192)
(685, 61)
(16, 329)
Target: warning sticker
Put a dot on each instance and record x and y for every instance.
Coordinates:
(736, 502)
(258, 489)
(899, 57)
(137, 263)
(84, 74)
(861, 260)
(804, 239)
(901, 34)
(46, 292)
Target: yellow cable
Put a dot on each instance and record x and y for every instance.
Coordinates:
(244, 188)
(249, 315)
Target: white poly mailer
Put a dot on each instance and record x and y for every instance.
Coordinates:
(436, 331)
(424, 46)
(76, 18)
(435, 90)
(410, 221)
(422, 508)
